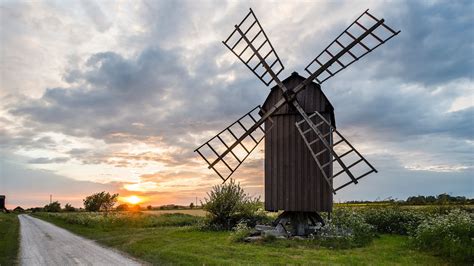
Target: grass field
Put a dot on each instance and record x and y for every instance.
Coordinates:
(195, 212)
(187, 245)
(9, 238)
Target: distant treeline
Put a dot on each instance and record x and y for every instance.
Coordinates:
(441, 199)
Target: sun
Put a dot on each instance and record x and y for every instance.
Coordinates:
(133, 199)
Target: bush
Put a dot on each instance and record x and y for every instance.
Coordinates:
(448, 235)
(228, 205)
(394, 220)
(68, 208)
(52, 207)
(347, 229)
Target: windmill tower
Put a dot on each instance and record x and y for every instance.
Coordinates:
(307, 159)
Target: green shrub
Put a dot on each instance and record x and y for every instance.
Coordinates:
(394, 220)
(228, 205)
(347, 229)
(54, 206)
(448, 235)
(69, 208)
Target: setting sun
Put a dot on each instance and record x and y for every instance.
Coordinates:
(133, 199)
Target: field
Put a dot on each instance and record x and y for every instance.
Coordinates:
(9, 233)
(194, 212)
(159, 238)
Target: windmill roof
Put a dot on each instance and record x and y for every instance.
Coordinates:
(291, 82)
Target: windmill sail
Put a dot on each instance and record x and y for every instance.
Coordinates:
(351, 163)
(361, 37)
(227, 141)
(247, 41)
(242, 42)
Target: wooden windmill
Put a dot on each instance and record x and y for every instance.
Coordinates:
(307, 159)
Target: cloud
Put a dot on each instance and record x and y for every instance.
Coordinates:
(95, 13)
(434, 42)
(152, 82)
(43, 160)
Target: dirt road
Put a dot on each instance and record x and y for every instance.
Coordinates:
(43, 243)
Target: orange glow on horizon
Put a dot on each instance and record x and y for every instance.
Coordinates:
(132, 199)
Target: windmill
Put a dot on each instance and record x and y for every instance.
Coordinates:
(307, 159)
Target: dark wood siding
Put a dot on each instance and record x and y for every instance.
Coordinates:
(293, 181)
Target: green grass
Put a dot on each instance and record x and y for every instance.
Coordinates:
(9, 238)
(187, 245)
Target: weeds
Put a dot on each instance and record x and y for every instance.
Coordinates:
(448, 235)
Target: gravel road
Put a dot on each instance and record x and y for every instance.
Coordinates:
(43, 243)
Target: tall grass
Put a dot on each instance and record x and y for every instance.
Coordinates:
(124, 219)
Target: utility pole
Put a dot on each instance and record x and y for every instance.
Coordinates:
(196, 201)
(50, 198)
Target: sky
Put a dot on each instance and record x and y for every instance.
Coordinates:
(116, 95)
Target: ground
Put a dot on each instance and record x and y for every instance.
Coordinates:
(187, 245)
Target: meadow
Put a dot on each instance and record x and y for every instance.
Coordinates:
(193, 212)
(400, 236)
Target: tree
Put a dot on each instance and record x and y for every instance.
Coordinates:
(102, 201)
(191, 205)
(68, 207)
(53, 207)
(149, 207)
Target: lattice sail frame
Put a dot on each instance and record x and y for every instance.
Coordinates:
(379, 34)
(253, 31)
(355, 159)
(230, 135)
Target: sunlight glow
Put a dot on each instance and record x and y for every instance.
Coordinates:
(133, 199)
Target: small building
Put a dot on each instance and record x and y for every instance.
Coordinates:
(2, 203)
(293, 181)
(19, 209)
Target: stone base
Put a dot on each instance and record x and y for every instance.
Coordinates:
(299, 223)
(289, 224)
